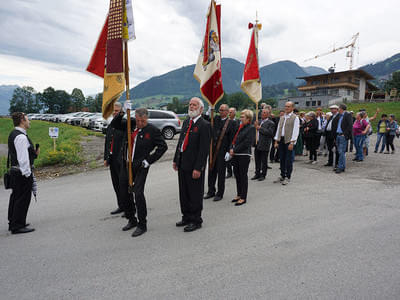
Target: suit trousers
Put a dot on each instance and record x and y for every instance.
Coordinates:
(240, 165)
(286, 159)
(261, 161)
(217, 171)
(229, 168)
(273, 154)
(115, 169)
(20, 199)
(330, 142)
(135, 202)
(191, 196)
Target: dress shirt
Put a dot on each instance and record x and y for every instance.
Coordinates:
(329, 127)
(134, 144)
(21, 144)
(296, 128)
(194, 122)
(320, 122)
(339, 126)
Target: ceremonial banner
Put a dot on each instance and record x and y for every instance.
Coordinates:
(98, 59)
(251, 82)
(129, 24)
(208, 68)
(114, 77)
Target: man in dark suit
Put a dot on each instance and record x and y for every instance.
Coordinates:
(342, 126)
(112, 157)
(148, 145)
(330, 137)
(223, 132)
(274, 154)
(265, 134)
(190, 161)
(236, 123)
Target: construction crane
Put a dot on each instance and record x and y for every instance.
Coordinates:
(349, 54)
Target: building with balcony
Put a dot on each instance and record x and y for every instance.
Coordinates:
(332, 88)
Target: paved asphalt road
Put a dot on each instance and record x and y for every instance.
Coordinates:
(324, 236)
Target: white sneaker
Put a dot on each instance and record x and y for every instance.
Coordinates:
(313, 162)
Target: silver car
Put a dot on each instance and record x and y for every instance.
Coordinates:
(167, 121)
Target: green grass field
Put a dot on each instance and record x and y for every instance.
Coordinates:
(68, 144)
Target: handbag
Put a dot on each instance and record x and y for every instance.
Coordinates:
(7, 175)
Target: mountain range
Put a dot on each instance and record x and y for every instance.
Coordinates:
(180, 82)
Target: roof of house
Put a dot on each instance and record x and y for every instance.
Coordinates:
(360, 72)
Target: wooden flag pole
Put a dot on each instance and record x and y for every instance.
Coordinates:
(212, 140)
(256, 122)
(128, 120)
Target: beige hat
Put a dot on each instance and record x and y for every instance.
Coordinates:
(334, 106)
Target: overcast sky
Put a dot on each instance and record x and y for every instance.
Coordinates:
(49, 43)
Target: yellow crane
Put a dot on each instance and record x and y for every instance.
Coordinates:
(349, 54)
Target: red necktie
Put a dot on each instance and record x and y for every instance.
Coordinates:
(112, 145)
(237, 132)
(133, 137)
(185, 142)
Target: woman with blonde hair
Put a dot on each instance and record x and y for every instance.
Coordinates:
(240, 153)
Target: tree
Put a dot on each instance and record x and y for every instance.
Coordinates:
(394, 82)
(77, 99)
(24, 100)
(55, 102)
(94, 104)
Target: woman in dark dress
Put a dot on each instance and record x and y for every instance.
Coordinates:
(240, 154)
(310, 132)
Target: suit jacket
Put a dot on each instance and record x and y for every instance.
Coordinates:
(150, 144)
(116, 137)
(312, 126)
(347, 125)
(228, 136)
(244, 140)
(266, 134)
(196, 153)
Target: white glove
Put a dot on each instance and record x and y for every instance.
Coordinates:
(227, 156)
(145, 164)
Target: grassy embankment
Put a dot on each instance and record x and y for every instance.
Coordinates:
(68, 149)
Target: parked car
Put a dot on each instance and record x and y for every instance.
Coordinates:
(70, 119)
(86, 120)
(78, 119)
(63, 118)
(167, 121)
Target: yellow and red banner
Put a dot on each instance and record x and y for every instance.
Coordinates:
(107, 60)
(208, 68)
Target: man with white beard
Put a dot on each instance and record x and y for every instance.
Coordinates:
(190, 161)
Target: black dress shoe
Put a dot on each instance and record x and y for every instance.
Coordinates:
(217, 198)
(27, 224)
(338, 171)
(235, 200)
(269, 168)
(181, 223)
(208, 196)
(240, 203)
(22, 230)
(117, 211)
(262, 178)
(228, 176)
(328, 165)
(255, 177)
(138, 231)
(191, 227)
(129, 226)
